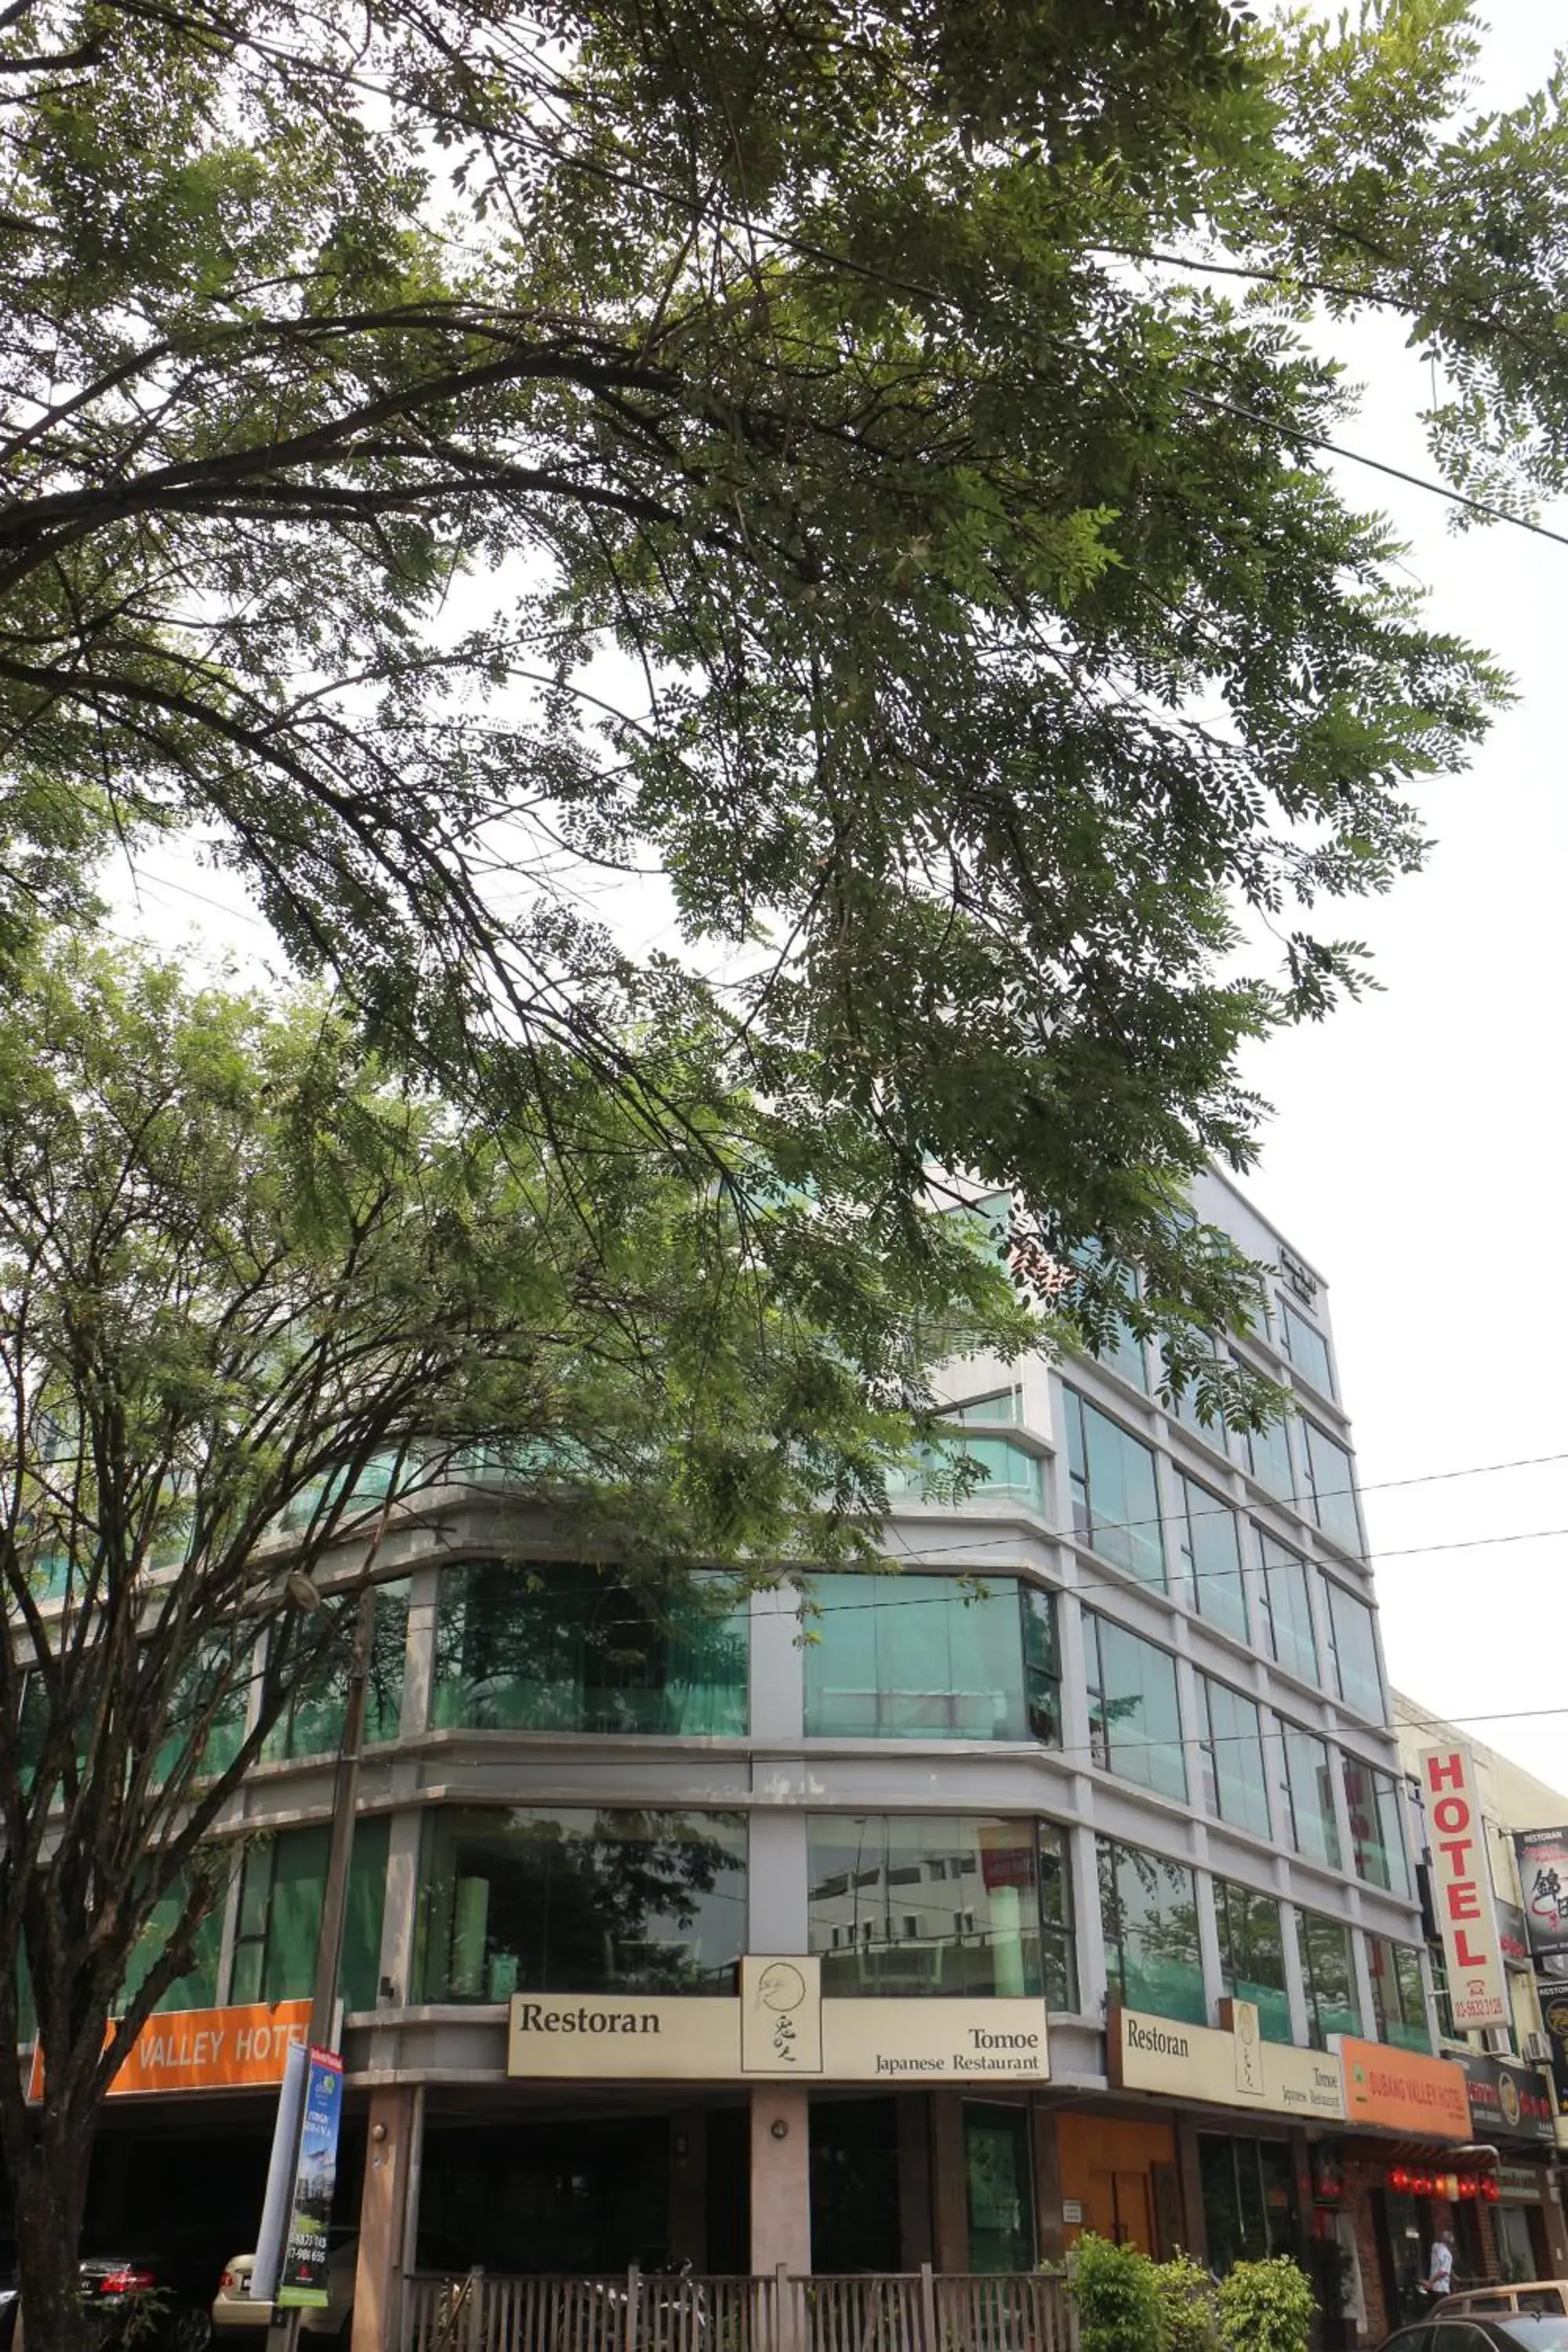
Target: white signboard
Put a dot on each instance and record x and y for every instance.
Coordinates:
(779, 2027)
(1230, 2069)
(1462, 1888)
(934, 2041)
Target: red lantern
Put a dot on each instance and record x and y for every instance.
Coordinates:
(1490, 2190)
(1399, 2178)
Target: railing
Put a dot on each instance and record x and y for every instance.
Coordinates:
(915, 2311)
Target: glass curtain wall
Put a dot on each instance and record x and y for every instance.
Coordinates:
(280, 1915)
(949, 1905)
(556, 1646)
(930, 1657)
(529, 1899)
(1150, 1914)
(1236, 1779)
(1134, 1715)
(1115, 1491)
(1252, 1955)
(1328, 1977)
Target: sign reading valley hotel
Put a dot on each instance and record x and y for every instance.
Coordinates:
(780, 2026)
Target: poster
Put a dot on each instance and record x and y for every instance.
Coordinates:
(1543, 1873)
(303, 2278)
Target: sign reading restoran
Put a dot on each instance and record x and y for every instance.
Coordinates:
(1462, 1888)
(1234, 2069)
(666, 2038)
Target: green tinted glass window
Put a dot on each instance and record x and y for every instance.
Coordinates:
(1330, 1488)
(1357, 1677)
(1306, 1792)
(1252, 1953)
(1150, 1914)
(1327, 1977)
(280, 1915)
(1236, 1780)
(948, 1905)
(928, 1657)
(1115, 1491)
(312, 1722)
(1134, 1715)
(198, 1987)
(1287, 1610)
(1308, 1349)
(1398, 2006)
(1266, 1453)
(551, 1646)
(1207, 1553)
(1376, 1827)
(522, 1899)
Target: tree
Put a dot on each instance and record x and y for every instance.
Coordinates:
(260, 1301)
(463, 455)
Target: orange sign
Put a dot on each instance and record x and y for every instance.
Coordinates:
(1424, 2098)
(204, 2050)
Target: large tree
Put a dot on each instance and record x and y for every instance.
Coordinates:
(463, 453)
(258, 1303)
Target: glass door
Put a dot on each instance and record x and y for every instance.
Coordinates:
(1001, 2184)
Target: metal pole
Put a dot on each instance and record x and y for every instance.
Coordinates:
(335, 1892)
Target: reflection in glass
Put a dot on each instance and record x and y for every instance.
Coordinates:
(1149, 1911)
(1252, 1955)
(558, 1646)
(900, 1904)
(929, 1657)
(522, 1899)
(1134, 1716)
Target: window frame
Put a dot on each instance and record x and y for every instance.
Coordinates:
(1077, 1410)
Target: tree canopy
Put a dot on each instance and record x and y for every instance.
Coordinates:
(861, 465)
(260, 1301)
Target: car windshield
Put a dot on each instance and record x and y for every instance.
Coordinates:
(1533, 2331)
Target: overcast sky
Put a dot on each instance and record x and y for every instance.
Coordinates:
(1416, 1151)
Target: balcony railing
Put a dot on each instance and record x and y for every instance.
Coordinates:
(916, 2311)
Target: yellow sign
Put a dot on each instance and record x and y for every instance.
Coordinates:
(779, 2027)
(663, 2038)
(934, 2040)
(1227, 2069)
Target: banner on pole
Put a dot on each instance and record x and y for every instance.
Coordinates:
(303, 2281)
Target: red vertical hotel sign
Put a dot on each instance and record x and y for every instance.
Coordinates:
(1462, 1888)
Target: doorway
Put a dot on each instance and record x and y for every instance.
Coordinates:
(1000, 2177)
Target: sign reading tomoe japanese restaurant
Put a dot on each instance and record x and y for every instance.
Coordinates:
(1228, 2067)
(780, 2027)
(1462, 1888)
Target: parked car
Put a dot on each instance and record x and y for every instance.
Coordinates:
(1500, 2302)
(236, 2312)
(1513, 2331)
(151, 2300)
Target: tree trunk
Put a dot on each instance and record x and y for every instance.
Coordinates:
(49, 2197)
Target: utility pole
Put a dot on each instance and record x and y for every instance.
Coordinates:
(320, 2035)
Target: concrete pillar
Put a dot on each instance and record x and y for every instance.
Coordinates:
(781, 2181)
(378, 2273)
(687, 2207)
(950, 2181)
(1195, 2236)
(1050, 2235)
(777, 1880)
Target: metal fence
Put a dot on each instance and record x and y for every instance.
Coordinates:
(916, 2311)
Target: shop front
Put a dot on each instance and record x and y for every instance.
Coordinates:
(1511, 2108)
(1407, 2169)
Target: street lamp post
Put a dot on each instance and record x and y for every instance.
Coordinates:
(321, 2033)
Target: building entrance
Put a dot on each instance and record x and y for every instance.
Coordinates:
(1000, 2180)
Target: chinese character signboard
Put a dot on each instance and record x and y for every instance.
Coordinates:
(1509, 2101)
(1544, 1869)
(1462, 1888)
(1555, 2017)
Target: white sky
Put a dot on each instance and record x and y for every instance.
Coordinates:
(1416, 1151)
